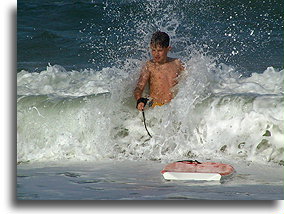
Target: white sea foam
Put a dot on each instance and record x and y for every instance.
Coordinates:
(55, 80)
(268, 82)
(215, 114)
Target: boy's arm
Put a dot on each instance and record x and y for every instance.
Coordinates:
(143, 79)
(180, 65)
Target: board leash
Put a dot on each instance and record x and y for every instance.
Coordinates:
(144, 120)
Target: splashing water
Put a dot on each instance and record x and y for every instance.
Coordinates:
(220, 111)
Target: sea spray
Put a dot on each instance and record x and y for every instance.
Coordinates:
(224, 107)
(205, 120)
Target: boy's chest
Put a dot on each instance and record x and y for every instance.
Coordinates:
(163, 72)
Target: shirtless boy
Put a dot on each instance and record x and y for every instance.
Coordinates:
(161, 72)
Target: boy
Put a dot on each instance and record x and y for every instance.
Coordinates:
(161, 72)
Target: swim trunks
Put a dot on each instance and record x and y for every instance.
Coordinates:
(150, 104)
(153, 104)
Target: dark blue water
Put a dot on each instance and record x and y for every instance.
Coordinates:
(96, 34)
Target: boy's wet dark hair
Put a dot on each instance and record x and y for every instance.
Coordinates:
(161, 39)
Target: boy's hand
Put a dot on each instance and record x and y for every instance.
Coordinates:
(141, 102)
(140, 106)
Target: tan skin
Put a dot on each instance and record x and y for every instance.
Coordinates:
(162, 73)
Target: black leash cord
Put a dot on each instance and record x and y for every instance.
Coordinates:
(145, 123)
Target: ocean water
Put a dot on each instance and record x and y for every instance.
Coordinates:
(77, 126)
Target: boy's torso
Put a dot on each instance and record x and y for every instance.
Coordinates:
(163, 77)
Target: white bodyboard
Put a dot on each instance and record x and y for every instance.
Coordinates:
(192, 176)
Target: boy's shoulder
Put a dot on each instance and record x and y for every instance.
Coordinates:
(173, 60)
(178, 62)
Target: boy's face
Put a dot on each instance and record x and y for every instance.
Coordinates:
(159, 53)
